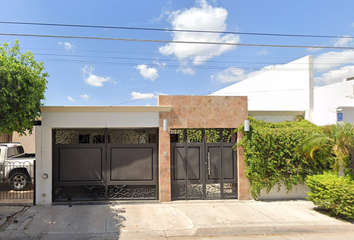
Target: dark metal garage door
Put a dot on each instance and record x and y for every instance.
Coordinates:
(104, 164)
(203, 164)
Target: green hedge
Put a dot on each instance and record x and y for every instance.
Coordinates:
(333, 193)
(271, 157)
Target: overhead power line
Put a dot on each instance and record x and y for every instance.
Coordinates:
(147, 59)
(154, 53)
(172, 41)
(287, 58)
(158, 61)
(174, 30)
(175, 66)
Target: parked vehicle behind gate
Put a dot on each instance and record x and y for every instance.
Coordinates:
(16, 166)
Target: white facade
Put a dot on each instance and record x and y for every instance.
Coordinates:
(284, 92)
(82, 117)
(280, 91)
(297, 192)
(332, 99)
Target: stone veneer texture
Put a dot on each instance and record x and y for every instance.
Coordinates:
(199, 112)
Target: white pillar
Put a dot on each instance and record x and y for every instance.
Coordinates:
(38, 151)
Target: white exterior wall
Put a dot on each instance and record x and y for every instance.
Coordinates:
(348, 114)
(274, 119)
(330, 98)
(275, 116)
(280, 91)
(288, 87)
(52, 120)
(298, 192)
(41, 184)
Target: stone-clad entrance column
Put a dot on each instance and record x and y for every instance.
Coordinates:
(164, 161)
(199, 112)
(243, 188)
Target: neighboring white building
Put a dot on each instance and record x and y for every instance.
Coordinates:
(278, 94)
(332, 100)
(283, 92)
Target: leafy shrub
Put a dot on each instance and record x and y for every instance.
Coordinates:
(271, 158)
(333, 193)
(338, 137)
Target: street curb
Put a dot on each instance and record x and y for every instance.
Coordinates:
(7, 235)
(243, 230)
(193, 232)
(281, 229)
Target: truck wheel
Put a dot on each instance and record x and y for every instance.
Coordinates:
(18, 181)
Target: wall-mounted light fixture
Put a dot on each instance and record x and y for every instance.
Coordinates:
(165, 125)
(246, 126)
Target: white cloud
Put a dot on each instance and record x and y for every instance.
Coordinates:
(331, 60)
(334, 76)
(233, 74)
(163, 13)
(147, 73)
(85, 96)
(313, 49)
(159, 93)
(338, 42)
(230, 74)
(343, 42)
(262, 53)
(138, 95)
(92, 79)
(70, 99)
(335, 66)
(162, 65)
(185, 69)
(203, 16)
(67, 46)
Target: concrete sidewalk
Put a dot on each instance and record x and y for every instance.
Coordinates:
(161, 220)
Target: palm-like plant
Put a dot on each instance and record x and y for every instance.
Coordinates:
(339, 137)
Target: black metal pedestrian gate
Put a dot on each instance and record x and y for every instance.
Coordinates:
(104, 164)
(203, 164)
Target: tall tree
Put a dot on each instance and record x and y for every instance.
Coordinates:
(340, 137)
(22, 86)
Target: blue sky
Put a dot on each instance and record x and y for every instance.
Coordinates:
(114, 73)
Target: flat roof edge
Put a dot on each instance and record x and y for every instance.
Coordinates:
(275, 113)
(58, 109)
(265, 111)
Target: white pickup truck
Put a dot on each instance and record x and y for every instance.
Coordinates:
(16, 166)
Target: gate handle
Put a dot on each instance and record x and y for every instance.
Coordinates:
(209, 163)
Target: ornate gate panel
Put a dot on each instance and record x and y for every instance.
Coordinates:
(104, 164)
(203, 164)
